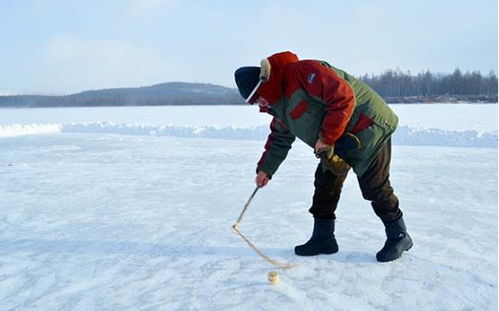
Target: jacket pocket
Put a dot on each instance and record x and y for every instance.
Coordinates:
(299, 110)
(363, 123)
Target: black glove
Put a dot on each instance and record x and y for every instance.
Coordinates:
(348, 142)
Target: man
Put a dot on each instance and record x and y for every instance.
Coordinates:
(348, 125)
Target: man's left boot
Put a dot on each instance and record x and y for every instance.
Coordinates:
(397, 242)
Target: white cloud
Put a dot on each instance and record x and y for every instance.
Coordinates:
(79, 64)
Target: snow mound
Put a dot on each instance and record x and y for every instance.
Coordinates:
(28, 129)
(405, 135)
(416, 136)
(229, 132)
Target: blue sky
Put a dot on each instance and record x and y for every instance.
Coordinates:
(65, 46)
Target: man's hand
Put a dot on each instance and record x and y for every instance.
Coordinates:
(261, 179)
(320, 147)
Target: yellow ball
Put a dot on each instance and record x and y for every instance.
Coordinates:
(273, 277)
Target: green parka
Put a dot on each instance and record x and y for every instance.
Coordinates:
(311, 99)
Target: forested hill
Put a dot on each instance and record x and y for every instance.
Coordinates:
(172, 93)
(399, 87)
(394, 85)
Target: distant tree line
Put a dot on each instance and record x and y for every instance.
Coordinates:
(396, 83)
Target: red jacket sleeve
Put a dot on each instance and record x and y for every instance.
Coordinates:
(325, 85)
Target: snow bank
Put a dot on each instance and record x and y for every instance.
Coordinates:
(28, 129)
(405, 135)
(229, 132)
(416, 136)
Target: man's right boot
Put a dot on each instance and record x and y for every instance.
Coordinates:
(322, 240)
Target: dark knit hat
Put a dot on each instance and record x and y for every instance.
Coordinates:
(246, 79)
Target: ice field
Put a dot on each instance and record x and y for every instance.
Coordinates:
(131, 208)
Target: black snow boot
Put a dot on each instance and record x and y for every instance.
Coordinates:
(398, 241)
(322, 240)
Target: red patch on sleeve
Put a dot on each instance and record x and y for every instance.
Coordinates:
(363, 123)
(299, 109)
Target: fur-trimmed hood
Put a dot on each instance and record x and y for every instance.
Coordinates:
(272, 89)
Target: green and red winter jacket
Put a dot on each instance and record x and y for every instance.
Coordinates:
(311, 99)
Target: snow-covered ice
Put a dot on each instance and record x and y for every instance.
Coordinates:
(131, 209)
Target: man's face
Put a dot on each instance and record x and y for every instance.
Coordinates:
(263, 104)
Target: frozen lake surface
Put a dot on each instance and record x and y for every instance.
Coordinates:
(104, 211)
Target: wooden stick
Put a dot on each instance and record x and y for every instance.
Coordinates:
(235, 227)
